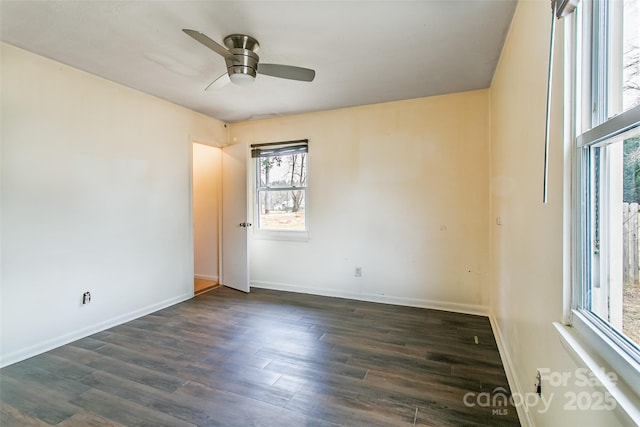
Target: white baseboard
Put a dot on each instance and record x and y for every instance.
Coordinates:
(206, 277)
(55, 342)
(512, 378)
(384, 299)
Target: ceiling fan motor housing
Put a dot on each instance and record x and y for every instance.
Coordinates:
(243, 48)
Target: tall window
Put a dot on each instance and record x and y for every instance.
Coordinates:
(281, 185)
(607, 129)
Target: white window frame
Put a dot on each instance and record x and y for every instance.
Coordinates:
(588, 338)
(272, 234)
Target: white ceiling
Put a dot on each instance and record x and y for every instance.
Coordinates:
(364, 52)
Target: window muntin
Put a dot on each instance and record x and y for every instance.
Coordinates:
(281, 187)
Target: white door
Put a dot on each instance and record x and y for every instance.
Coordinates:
(235, 263)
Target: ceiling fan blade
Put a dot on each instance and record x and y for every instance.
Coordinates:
(211, 44)
(287, 72)
(218, 83)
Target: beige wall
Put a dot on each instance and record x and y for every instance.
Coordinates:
(95, 195)
(207, 172)
(527, 257)
(398, 189)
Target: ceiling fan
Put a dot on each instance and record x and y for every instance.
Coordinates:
(243, 64)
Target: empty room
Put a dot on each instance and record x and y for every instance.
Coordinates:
(320, 213)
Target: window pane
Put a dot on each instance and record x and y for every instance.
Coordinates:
(283, 171)
(614, 287)
(631, 266)
(631, 89)
(281, 210)
(624, 56)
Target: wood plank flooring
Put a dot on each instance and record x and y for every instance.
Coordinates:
(201, 286)
(267, 358)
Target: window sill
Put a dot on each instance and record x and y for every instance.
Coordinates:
(589, 349)
(288, 236)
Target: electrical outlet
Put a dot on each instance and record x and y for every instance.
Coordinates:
(358, 272)
(86, 297)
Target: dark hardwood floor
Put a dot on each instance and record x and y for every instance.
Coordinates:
(266, 359)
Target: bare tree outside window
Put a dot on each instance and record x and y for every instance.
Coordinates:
(298, 179)
(631, 88)
(267, 163)
(631, 55)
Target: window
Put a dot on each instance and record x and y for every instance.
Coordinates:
(611, 283)
(606, 119)
(281, 185)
